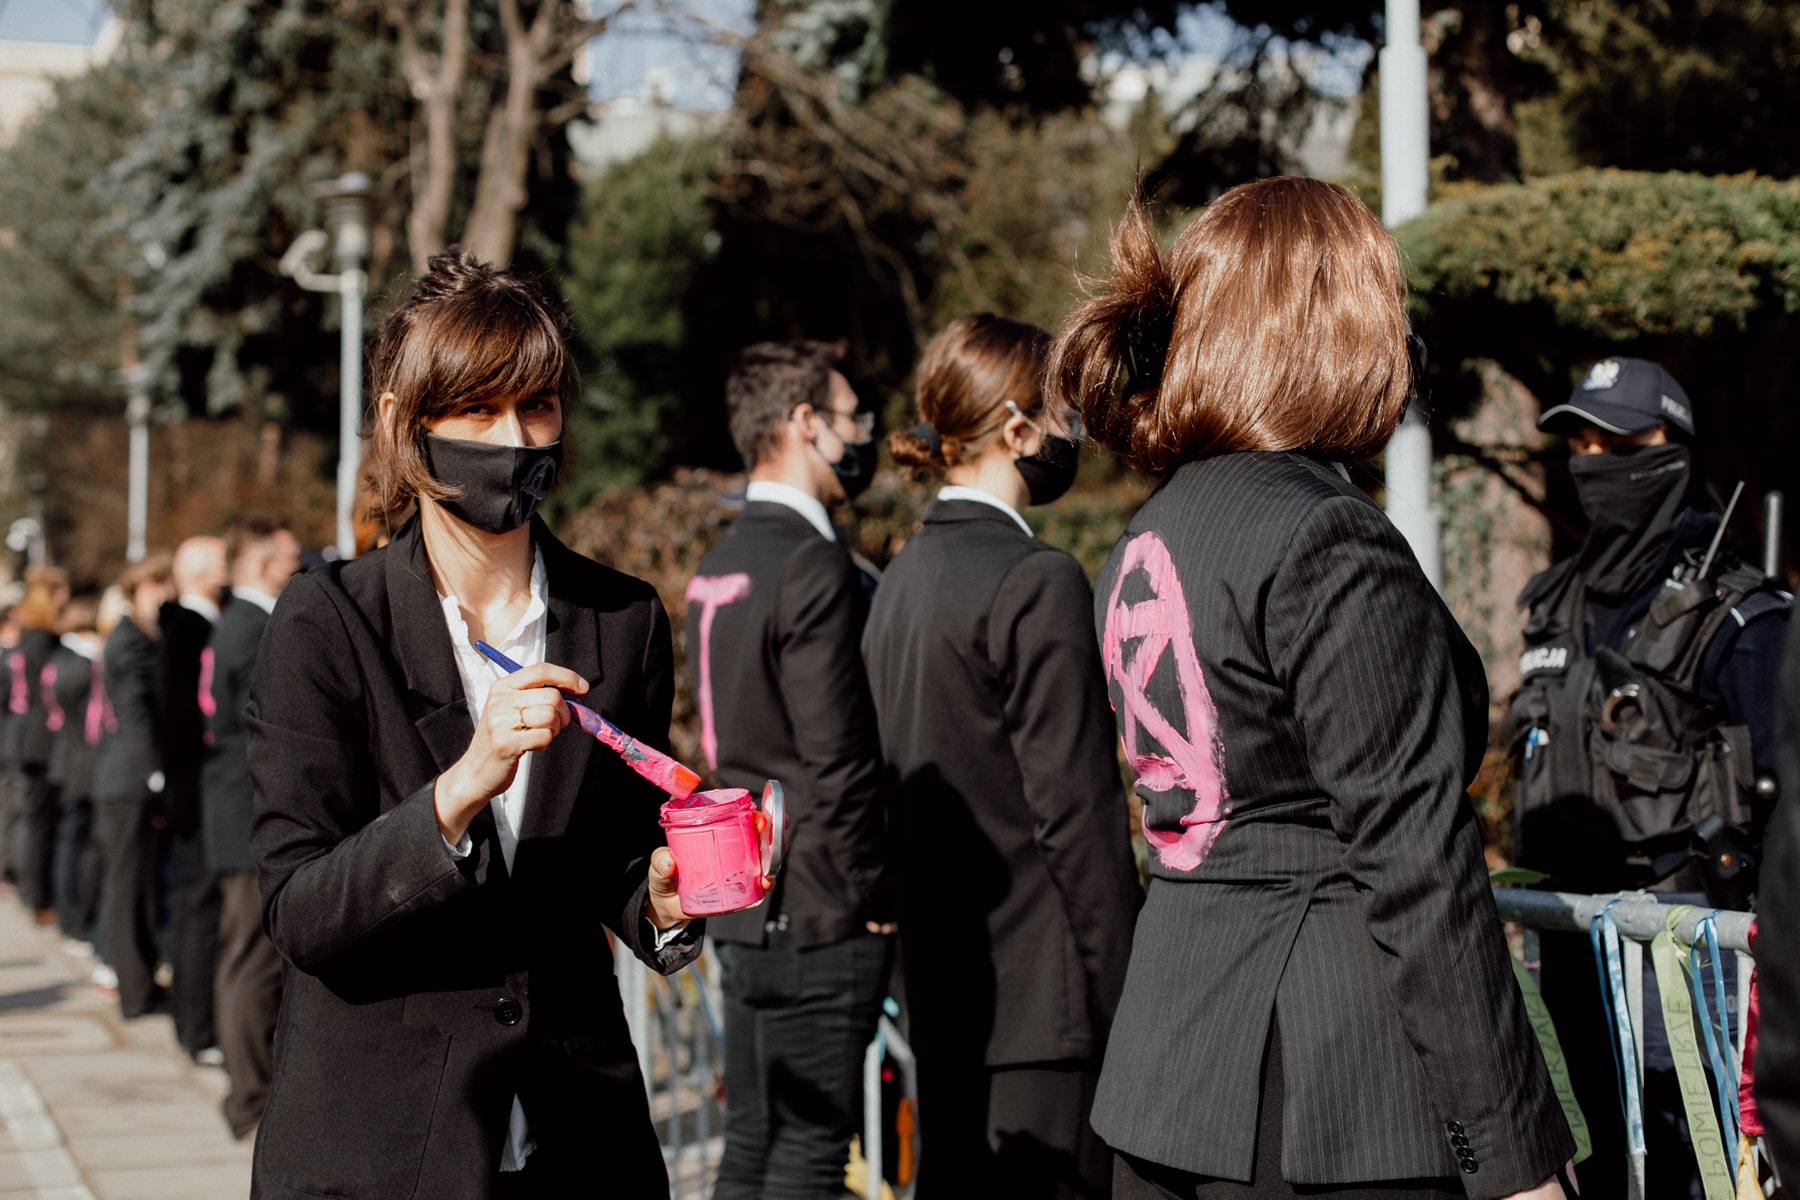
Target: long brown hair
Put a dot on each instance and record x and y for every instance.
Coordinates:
(968, 372)
(468, 330)
(1275, 322)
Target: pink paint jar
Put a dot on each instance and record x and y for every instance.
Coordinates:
(720, 860)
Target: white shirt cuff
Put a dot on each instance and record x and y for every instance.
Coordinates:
(665, 936)
(461, 847)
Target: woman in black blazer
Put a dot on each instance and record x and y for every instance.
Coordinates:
(439, 869)
(1001, 777)
(30, 738)
(1318, 992)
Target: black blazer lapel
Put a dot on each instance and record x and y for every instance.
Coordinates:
(572, 641)
(421, 642)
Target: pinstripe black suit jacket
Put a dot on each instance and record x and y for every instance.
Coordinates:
(1303, 715)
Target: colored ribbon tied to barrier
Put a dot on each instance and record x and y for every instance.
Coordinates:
(1697, 1096)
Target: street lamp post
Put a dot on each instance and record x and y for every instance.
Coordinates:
(1405, 176)
(137, 496)
(347, 215)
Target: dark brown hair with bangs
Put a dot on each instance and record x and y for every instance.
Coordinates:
(1275, 322)
(467, 331)
(967, 374)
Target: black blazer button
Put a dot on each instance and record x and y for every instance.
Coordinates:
(507, 1011)
(1470, 1166)
(1460, 1141)
(1455, 1127)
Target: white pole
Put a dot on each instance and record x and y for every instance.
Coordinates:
(352, 283)
(1405, 175)
(137, 493)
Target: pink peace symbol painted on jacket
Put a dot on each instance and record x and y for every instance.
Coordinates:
(1192, 758)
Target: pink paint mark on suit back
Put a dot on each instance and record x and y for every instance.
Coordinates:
(711, 593)
(1192, 759)
(20, 700)
(53, 720)
(99, 718)
(209, 708)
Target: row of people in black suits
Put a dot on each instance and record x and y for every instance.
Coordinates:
(51, 726)
(970, 795)
(118, 838)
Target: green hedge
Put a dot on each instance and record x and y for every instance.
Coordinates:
(1615, 255)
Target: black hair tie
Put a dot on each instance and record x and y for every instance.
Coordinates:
(926, 432)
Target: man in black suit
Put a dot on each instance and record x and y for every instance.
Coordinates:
(775, 616)
(261, 554)
(187, 623)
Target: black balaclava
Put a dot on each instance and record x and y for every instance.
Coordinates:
(502, 486)
(1633, 498)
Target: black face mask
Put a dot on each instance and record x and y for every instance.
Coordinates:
(1051, 471)
(1633, 498)
(855, 468)
(502, 486)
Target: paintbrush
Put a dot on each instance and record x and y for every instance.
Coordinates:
(665, 772)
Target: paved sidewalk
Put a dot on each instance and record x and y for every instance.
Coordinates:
(93, 1107)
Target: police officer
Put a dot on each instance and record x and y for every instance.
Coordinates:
(1645, 727)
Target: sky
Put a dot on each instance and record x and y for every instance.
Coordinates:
(75, 22)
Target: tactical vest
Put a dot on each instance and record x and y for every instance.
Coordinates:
(1627, 778)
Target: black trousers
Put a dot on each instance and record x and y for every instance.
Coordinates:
(9, 816)
(131, 851)
(74, 867)
(1139, 1179)
(193, 940)
(1016, 1131)
(246, 1001)
(796, 1025)
(35, 831)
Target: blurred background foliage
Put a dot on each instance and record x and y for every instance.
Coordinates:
(1611, 176)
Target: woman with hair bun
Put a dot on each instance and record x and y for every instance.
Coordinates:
(1002, 778)
(439, 868)
(1319, 1000)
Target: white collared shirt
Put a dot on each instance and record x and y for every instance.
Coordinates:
(770, 492)
(526, 644)
(255, 596)
(956, 491)
(201, 605)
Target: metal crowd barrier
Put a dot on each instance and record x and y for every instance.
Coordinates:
(1639, 917)
(676, 1025)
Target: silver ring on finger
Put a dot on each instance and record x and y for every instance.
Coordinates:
(521, 724)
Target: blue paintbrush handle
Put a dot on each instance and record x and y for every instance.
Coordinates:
(509, 666)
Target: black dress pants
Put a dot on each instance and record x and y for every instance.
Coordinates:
(193, 940)
(797, 1023)
(247, 1000)
(131, 851)
(9, 815)
(74, 880)
(35, 829)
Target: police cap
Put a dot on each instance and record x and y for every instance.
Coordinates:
(1623, 395)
